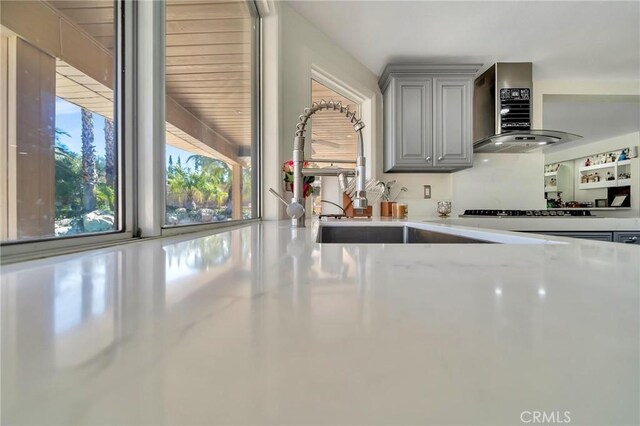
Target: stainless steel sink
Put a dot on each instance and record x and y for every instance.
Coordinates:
(389, 235)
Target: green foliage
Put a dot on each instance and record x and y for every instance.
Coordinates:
(208, 181)
(69, 182)
(105, 197)
(68, 187)
(246, 184)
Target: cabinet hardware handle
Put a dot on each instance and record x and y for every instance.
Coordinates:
(440, 158)
(631, 240)
(428, 158)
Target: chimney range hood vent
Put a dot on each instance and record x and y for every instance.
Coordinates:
(502, 112)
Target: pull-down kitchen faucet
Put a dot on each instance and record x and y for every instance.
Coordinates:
(295, 209)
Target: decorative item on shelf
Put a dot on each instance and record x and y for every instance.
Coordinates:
(624, 176)
(287, 170)
(553, 182)
(551, 168)
(588, 162)
(623, 155)
(610, 176)
(584, 179)
(444, 208)
(632, 152)
(597, 177)
(601, 202)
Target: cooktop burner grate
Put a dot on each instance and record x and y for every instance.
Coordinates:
(527, 213)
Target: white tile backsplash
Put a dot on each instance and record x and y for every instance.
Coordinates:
(500, 181)
(496, 181)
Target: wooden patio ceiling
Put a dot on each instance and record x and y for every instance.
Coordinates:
(208, 58)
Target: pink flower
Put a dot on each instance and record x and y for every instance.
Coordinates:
(287, 167)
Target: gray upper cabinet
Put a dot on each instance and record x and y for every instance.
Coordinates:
(414, 117)
(427, 117)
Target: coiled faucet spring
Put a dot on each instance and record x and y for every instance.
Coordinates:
(319, 106)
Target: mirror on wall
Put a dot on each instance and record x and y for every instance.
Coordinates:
(601, 169)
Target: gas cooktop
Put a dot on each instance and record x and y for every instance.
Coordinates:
(527, 213)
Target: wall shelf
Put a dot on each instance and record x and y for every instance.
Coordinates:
(605, 183)
(597, 167)
(558, 180)
(595, 185)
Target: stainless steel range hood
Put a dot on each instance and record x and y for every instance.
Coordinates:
(502, 110)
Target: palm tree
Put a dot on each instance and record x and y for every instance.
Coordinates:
(109, 149)
(216, 176)
(182, 182)
(89, 175)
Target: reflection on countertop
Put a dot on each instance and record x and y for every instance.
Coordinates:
(261, 325)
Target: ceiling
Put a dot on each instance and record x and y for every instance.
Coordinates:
(597, 40)
(208, 61)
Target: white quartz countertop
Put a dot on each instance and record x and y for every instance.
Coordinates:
(262, 325)
(597, 223)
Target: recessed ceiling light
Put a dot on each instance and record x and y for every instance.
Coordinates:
(498, 143)
(498, 291)
(542, 291)
(542, 143)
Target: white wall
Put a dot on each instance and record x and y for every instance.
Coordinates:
(297, 49)
(496, 181)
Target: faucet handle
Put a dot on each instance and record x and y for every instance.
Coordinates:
(295, 210)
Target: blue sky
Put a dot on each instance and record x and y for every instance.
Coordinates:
(69, 119)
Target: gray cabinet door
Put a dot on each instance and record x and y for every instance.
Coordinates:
(453, 144)
(627, 237)
(413, 122)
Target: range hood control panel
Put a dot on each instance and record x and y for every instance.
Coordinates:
(515, 109)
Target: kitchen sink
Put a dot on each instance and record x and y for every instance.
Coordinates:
(389, 235)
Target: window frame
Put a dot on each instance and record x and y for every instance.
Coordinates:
(124, 47)
(256, 145)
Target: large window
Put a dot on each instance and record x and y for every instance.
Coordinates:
(58, 147)
(210, 111)
(333, 137)
(74, 151)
